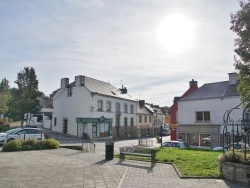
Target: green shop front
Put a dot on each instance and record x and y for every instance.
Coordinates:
(94, 127)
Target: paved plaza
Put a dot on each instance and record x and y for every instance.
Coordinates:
(72, 168)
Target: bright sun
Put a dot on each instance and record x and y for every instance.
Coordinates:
(175, 33)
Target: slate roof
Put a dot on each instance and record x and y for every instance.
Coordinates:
(142, 110)
(103, 88)
(213, 90)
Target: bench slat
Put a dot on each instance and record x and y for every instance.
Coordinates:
(137, 154)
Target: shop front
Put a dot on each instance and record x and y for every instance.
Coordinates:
(200, 135)
(94, 127)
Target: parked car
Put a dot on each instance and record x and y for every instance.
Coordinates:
(219, 148)
(165, 132)
(175, 144)
(21, 134)
(206, 140)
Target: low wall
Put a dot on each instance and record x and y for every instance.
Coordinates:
(236, 172)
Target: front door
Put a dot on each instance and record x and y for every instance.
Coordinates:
(94, 131)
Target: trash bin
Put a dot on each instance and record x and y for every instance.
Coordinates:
(109, 150)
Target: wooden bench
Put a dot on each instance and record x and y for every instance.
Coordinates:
(137, 151)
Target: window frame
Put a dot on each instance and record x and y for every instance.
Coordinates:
(202, 116)
(100, 105)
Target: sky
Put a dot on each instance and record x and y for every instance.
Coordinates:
(151, 47)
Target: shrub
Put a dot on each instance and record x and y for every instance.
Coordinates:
(15, 145)
(51, 144)
(31, 144)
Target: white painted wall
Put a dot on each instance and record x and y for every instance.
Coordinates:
(217, 108)
(79, 106)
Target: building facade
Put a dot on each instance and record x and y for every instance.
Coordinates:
(94, 107)
(174, 109)
(200, 113)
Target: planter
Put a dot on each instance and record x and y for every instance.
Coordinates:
(236, 172)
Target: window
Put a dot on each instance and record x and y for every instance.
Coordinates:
(150, 119)
(145, 119)
(125, 108)
(203, 116)
(117, 109)
(140, 119)
(125, 121)
(131, 121)
(108, 107)
(131, 109)
(100, 105)
(54, 121)
(69, 92)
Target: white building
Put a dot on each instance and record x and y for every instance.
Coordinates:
(200, 114)
(94, 107)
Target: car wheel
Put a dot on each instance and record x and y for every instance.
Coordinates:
(10, 140)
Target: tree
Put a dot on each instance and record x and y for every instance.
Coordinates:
(241, 26)
(4, 96)
(28, 92)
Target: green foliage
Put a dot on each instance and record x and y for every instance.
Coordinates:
(4, 128)
(51, 144)
(27, 101)
(4, 96)
(31, 144)
(191, 162)
(241, 26)
(238, 156)
(15, 145)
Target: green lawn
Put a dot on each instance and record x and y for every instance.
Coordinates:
(189, 162)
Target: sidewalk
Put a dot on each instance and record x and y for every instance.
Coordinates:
(71, 168)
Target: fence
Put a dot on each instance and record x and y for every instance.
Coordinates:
(88, 145)
(238, 137)
(145, 142)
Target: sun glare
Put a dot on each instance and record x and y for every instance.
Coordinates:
(175, 33)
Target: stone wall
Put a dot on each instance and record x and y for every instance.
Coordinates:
(236, 172)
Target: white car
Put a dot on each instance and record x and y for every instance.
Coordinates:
(21, 134)
(175, 144)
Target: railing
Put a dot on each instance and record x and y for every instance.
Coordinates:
(145, 142)
(88, 145)
(238, 137)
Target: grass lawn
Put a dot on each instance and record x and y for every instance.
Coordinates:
(190, 162)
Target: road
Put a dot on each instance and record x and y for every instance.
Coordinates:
(99, 142)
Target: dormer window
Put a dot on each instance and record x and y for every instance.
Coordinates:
(100, 105)
(69, 92)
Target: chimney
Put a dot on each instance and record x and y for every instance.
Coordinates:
(193, 83)
(141, 103)
(64, 82)
(79, 80)
(233, 78)
(123, 90)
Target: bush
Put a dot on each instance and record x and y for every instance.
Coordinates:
(51, 144)
(4, 128)
(15, 145)
(31, 144)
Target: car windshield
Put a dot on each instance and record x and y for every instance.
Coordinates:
(13, 130)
